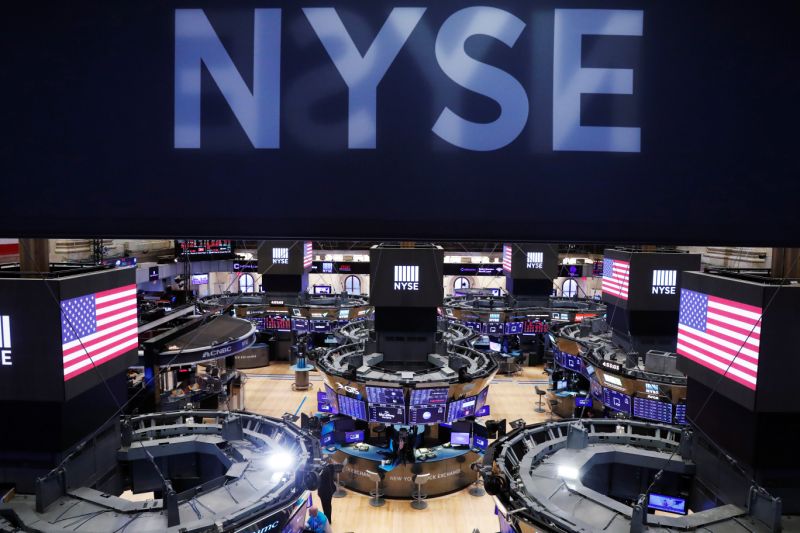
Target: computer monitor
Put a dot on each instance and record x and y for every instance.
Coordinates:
(344, 314)
(480, 443)
(352, 407)
(351, 437)
(429, 396)
(322, 289)
(332, 398)
(583, 401)
(426, 414)
(485, 410)
(328, 427)
(326, 439)
(669, 504)
(561, 385)
(459, 439)
(495, 346)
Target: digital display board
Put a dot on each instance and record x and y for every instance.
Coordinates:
(431, 396)
(352, 407)
(385, 395)
(680, 414)
(494, 329)
(426, 414)
(387, 414)
(652, 410)
(583, 401)
(458, 409)
(278, 323)
(514, 328)
(333, 399)
(203, 247)
(320, 326)
(573, 363)
(532, 327)
(669, 504)
(300, 325)
(616, 400)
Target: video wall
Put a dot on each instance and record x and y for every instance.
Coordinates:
(402, 405)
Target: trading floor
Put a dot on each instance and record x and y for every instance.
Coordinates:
(269, 392)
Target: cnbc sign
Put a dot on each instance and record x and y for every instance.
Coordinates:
(253, 94)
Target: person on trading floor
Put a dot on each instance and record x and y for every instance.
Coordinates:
(317, 521)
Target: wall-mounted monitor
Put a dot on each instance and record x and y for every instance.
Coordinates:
(387, 414)
(386, 395)
(199, 279)
(652, 410)
(426, 414)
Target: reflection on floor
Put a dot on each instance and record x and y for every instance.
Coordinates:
(269, 391)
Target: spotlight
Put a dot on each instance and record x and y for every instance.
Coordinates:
(280, 461)
(568, 472)
(276, 476)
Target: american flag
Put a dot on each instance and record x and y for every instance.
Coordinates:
(308, 254)
(615, 277)
(97, 328)
(714, 331)
(507, 251)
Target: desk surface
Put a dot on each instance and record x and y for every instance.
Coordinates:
(374, 453)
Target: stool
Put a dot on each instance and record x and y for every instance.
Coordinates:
(541, 393)
(376, 496)
(340, 492)
(553, 405)
(419, 502)
(476, 489)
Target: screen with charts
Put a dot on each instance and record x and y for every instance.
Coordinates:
(432, 396)
(461, 408)
(652, 410)
(300, 325)
(352, 407)
(387, 414)
(426, 414)
(386, 395)
(616, 400)
(278, 322)
(680, 414)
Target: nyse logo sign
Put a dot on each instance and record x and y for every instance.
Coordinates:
(406, 278)
(258, 110)
(5, 340)
(664, 281)
(534, 260)
(280, 256)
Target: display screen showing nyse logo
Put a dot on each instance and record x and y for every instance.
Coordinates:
(5, 340)
(280, 256)
(534, 260)
(406, 278)
(664, 281)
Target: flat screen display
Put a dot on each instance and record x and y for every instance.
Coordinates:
(353, 436)
(583, 401)
(344, 314)
(480, 443)
(495, 329)
(596, 388)
(616, 400)
(320, 326)
(680, 414)
(278, 323)
(432, 396)
(386, 395)
(204, 247)
(514, 328)
(328, 427)
(297, 522)
(199, 279)
(482, 396)
(352, 407)
(459, 439)
(532, 327)
(461, 408)
(652, 410)
(669, 504)
(300, 325)
(426, 414)
(483, 411)
(391, 414)
(495, 346)
(322, 289)
(333, 400)
(326, 439)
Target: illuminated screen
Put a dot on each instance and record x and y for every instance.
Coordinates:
(354, 436)
(461, 408)
(297, 523)
(333, 399)
(459, 439)
(352, 407)
(344, 314)
(278, 322)
(386, 395)
(680, 414)
(482, 395)
(495, 346)
(532, 327)
(320, 326)
(652, 410)
(300, 324)
(514, 328)
(433, 396)
(204, 247)
(96, 328)
(616, 400)
(669, 504)
(426, 414)
(199, 279)
(391, 414)
(480, 442)
(322, 289)
(583, 401)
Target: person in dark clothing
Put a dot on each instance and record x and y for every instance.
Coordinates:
(327, 486)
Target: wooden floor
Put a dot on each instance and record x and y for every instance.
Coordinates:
(269, 391)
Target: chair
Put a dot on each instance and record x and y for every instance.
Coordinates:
(553, 405)
(418, 496)
(376, 495)
(340, 492)
(540, 393)
(476, 489)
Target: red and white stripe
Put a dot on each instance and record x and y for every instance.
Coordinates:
(507, 252)
(732, 338)
(9, 247)
(116, 334)
(617, 283)
(308, 254)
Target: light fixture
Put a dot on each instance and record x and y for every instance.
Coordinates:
(568, 472)
(280, 461)
(276, 477)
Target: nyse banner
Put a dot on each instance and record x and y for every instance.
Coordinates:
(418, 104)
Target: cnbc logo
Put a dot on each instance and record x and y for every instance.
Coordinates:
(534, 260)
(406, 278)
(280, 256)
(5, 340)
(664, 281)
